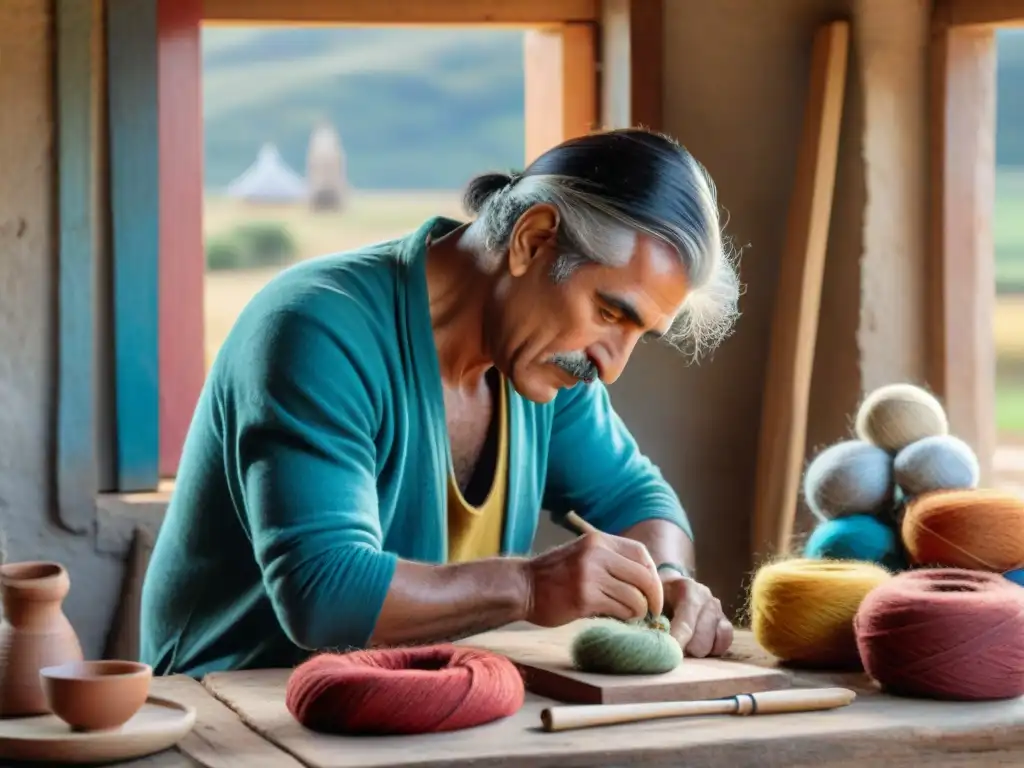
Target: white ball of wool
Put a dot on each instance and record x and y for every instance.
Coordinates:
(896, 415)
(938, 463)
(847, 478)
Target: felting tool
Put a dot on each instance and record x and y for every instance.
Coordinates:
(581, 525)
(766, 703)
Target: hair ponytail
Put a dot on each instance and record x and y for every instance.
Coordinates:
(482, 188)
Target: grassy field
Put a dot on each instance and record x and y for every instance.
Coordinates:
(369, 218)
(372, 217)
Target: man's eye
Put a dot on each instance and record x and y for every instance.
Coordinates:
(608, 316)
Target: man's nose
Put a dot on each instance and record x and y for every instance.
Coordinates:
(617, 352)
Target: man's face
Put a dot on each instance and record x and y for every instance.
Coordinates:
(547, 335)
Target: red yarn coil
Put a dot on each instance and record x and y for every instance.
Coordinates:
(404, 690)
(944, 633)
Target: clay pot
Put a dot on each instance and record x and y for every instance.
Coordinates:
(34, 633)
(96, 695)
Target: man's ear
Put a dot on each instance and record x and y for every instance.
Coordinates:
(533, 235)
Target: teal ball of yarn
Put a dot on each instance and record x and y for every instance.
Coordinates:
(857, 537)
(639, 647)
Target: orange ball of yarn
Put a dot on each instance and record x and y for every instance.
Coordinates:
(978, 529)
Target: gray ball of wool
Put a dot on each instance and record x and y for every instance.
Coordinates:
(938, 463)
(847, 478)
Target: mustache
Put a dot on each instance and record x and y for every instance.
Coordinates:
(577, 365)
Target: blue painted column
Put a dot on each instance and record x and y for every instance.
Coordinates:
(79, 92)
(133, 99)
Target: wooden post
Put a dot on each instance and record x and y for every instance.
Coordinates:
(182, 261)
(798, 298)
(79, 82)
(135, 216)
(632, 74)
(156, 201)
(962, 258)
(560, 84)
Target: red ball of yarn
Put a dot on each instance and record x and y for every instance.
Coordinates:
(404, 690)
(944, 633)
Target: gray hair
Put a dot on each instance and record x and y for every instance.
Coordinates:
(593, 228)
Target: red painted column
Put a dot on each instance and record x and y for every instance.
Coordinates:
(182, 263)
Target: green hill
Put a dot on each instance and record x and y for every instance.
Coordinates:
(428, 108)
(416, 108)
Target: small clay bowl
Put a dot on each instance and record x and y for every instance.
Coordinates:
(96, 695)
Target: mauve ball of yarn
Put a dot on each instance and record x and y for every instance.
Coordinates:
(896, 415)
(980, 528)
(638, 647)
(856, 537)
(847, 478)
(944, 633)
(937, 463)
(404, 690)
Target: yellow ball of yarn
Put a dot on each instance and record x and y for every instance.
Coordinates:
(802, 610)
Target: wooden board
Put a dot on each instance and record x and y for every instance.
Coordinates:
(543, 656)
(782, 450)
(874, 730)
(219, 739)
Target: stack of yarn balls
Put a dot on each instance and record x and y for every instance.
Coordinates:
(903, 574)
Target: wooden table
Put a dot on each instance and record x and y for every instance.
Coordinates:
(875, 730)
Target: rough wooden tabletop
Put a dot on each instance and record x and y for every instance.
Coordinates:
(242, 721)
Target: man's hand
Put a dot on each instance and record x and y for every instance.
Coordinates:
(698, 622)
(595, 574)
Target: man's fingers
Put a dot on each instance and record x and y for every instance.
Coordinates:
(622, 600)
(705, 631)
(687, 611)
(723, 637)
(631, 562)
(636, 575)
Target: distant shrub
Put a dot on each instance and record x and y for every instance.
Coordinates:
(224, 252)
(266, 243)
(251, 245)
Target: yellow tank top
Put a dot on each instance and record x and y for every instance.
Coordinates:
(475, 532)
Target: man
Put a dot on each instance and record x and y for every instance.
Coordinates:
(381, 428)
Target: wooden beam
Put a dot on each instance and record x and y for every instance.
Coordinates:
(79, 81)
(516, 13)
(962, 258)
(182, 264)
(783, 437)
(560, 85)
(632, 70)
(979, 13)
(135, 216)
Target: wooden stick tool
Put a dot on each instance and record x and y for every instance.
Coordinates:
(581, 525)
(767, 703)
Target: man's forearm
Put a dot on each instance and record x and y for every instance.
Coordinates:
(666, 541)
(436, 603)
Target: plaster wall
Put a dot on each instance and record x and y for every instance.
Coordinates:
(28, 325)
(735, 82)
(736, 77)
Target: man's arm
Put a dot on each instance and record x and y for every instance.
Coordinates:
(596, 468)
(307, 410)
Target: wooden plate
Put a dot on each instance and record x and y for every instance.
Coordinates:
(158, 725)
